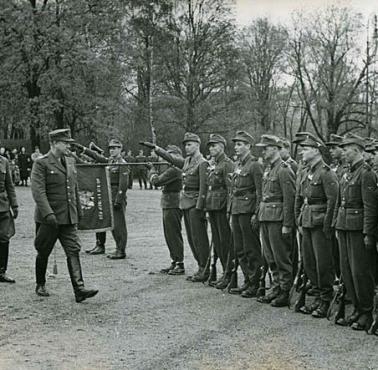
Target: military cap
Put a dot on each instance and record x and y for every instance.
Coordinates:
(114, 143)
(371, 147)
(216, 139)
(189, 136)
(63, 134)
(311, 141)
(303, 135)
(334, 140)
(353, 139)
(173, 149)
(243, 136)
(270, 140)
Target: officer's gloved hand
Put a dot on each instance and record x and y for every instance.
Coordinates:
(369, 242)
(51, 220)
(147, 144)
(286, 232)
(14, 212)
(255, 223)
(328, 232)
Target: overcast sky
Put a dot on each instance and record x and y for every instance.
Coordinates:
(280, 10)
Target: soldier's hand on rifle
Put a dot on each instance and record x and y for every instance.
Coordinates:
(51, 220)
(254, 223)
(14, 212)
(369, 242)
(147, 144)
(286, 232)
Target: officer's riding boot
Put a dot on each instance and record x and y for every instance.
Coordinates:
(282, 300)
(74, 268)
(166, 270)
(40, 273)
(179, 269)
(4, 252)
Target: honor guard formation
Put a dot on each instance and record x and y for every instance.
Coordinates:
(303, 234)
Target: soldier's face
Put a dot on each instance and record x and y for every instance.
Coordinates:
(269, 152)
(284, 153)
(61, 147)
(241, 148)
(336, 152)
(309, 153)
(191, 147)
(114, 151)
(350, 153)
(215, 149)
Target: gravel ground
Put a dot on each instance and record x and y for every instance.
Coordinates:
(144, 320)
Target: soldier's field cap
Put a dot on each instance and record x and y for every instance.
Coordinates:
(371, 146)
(173, 149)
(243, 136)
(189, 136)
(114, 143)
(353, 139)
(303, 135)
(311, 141)
(334, 140)
(270, 140)
(216, 139)
(63, 134)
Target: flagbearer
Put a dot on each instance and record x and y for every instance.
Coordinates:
(119, 180)
(55, 192)
(276, 215)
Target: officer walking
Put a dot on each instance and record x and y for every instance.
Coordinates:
(356, 224)
(58, 210)
(171, 182)
(219, 172)
(8, 212)
(246, 188)
(276, 216)
(316, 197)
(119, 181)
(192, 200)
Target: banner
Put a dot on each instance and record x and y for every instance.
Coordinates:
(95, 198)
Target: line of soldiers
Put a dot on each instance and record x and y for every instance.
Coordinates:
(256, 214)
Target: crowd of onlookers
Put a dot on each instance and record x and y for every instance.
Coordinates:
(20, 163)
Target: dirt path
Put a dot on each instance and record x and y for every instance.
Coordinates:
(144, 320)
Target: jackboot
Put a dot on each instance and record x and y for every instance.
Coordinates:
(4, 253)
(74, 268)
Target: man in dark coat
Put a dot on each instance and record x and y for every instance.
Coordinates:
(57, 213)
(24, 164)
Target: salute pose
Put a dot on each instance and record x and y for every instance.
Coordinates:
(192, 200)
(55, 192)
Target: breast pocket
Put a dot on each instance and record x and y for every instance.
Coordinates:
(273, 184)
(244, 180)
(3, 173)
(354, 192)
(52, 177)
(317, 190)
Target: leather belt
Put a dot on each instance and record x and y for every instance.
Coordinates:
(188, 188)
(310, 202)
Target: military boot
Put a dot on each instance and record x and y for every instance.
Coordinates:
(223, 283)
(321, 311)
(202, 277)
(41, 290)
(179, 269)
(99, 249)
(74, 268)
(309, 309)
(282, 300)
(240, 290)
(4, 252)
(364, 322)
(250, 292)
(167, 269)
(118, 255)
(273, 294)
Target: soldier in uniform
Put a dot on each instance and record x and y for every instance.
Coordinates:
(245, 197)
(141, 169)
(153, 158)
(171, 182)
(355, 220)
(316, 198)
(8, 212)
(119, 180)
(192, 200)
(219, 172)
(58, 210)
(276, 216)
(286, 156)
(130, 159)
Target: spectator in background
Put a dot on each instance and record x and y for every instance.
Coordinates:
(2, 151)
(24, 163)
(37, 154)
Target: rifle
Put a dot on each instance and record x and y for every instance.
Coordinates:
(298, 284)
(337, 306)
(213, 270)
(234, 276)
(262, 285)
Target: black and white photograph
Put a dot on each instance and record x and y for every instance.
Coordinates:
(188, 184)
